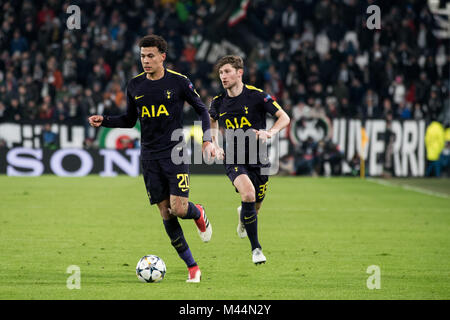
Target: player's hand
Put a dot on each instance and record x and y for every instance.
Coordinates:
(220, 154)
(263, 134)
(209, 150)
(95, 121)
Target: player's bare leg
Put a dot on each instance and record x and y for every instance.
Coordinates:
(164, 209)
(258, 206)
(242, 233)
(249, 215)
(181, 207)
(178, 206)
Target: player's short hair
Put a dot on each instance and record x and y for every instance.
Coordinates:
(235, 61)
(154, 41)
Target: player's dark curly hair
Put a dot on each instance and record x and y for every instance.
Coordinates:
(235, 61)
(154, 41)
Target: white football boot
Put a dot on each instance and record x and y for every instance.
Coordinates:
(258, 257)
(204, 227)
(242, 233)
(194, 275)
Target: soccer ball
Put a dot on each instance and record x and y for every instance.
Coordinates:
(150, 268)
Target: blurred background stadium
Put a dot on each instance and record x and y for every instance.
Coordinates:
(353, 92)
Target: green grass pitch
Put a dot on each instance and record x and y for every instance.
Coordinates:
(319, 236)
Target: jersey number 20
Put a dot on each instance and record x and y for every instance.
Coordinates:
(183, 184)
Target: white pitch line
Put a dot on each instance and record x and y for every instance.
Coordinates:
(409, 188)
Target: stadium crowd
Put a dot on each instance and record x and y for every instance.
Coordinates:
(318, 58)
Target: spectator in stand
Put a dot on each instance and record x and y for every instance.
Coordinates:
(49, 139)
(60, 114)
(398, 91)
(434, 105)
(13, 111)
(18, 44)
(2, 111)
(370, 108)
(30, 111)
(404, 111)
(305, 158)
(435, 143)
(388, 111)
(417, 112)
(289, 20)
(46, 109)
(45, 15)
(189, 52)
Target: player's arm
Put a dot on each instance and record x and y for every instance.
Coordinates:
(214, 124)
(282, 121)
(193, 98)
(219, 153)
(126, 120)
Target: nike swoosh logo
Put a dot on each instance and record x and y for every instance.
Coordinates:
(222, 114)
(136, 98)
(247, 218)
